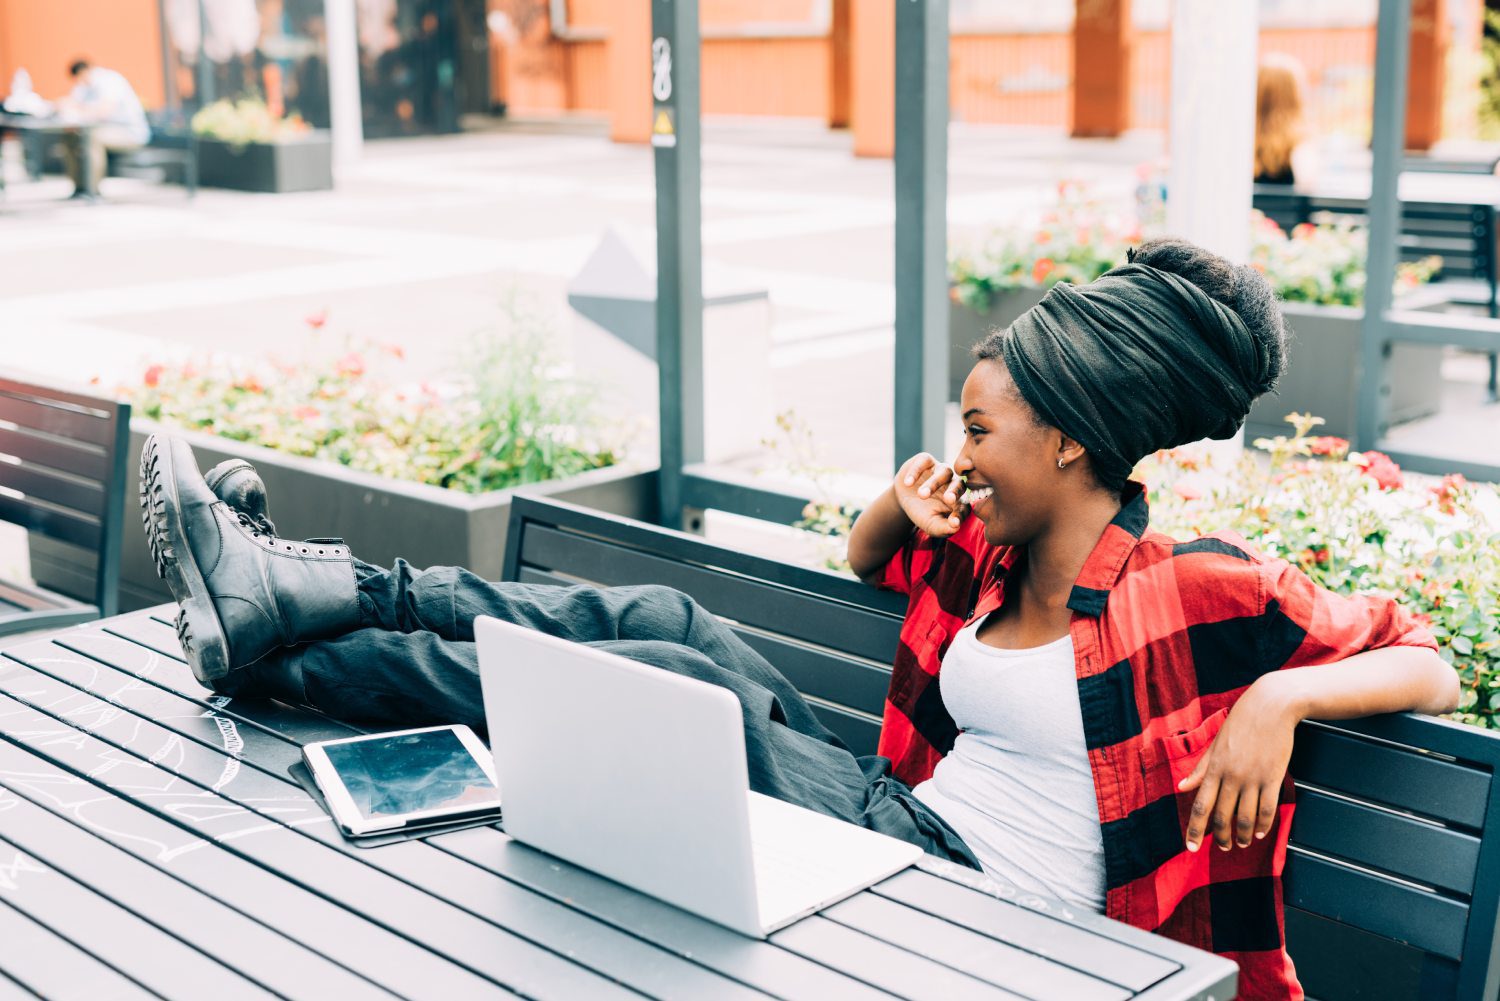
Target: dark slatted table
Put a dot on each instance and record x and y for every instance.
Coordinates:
(152, 843)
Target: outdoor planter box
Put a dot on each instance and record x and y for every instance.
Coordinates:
(1322, 372)
(380, 518)
(301, 164)
(967, 328)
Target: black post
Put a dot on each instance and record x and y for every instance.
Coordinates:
(679, 244)
(921, 225)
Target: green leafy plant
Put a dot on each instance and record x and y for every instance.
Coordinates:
(827, 514)
(1356, 523)
(1489, 79)
(1076, 242)
(245, 121)
(1323, 264)
(511, 417)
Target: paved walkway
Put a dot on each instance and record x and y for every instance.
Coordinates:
(425, 240)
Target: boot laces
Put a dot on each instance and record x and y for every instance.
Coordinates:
(261, 525)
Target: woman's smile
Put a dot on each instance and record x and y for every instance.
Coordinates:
(976, 496)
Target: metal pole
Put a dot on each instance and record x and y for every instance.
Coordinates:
(205, 74)
(1392, 30)
(168, 78)
(679, 244)
(921, 157)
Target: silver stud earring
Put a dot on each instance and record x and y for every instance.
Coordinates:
(1061, 464)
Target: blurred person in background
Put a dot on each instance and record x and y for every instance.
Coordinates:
(1282, 153)
(105, 100)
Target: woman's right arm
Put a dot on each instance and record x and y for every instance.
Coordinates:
(924, 494)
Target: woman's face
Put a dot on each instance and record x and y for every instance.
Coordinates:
(1007, 452)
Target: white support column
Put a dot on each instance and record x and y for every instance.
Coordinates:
(1212, 129)
(1212, 134)
(344, 110)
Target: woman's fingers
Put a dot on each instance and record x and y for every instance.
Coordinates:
(915, 467)
(940, 477)
(1265, 816)
(1195, 776)
(1245, 816)
(1221, 821)
(1203, 805)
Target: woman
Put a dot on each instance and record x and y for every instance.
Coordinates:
(1120, 691)
(1107, 698)
(1282, 156)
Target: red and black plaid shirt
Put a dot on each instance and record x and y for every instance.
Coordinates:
(1167, 635)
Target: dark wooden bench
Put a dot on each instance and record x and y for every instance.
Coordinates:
(1463, 235)
(1393, 878)
(62, 477)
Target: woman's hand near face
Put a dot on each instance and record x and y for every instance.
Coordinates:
(1239, 777)
(928, 491)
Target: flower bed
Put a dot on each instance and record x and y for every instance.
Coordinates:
(511, 419)
(1076, 242)
(1325, 264)
(1355, 523)
(426, 473)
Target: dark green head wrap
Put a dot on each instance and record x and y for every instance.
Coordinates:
(1138, 360)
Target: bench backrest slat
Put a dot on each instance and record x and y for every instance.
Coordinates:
(62, 467)
(841, 625)
(1405, 847)
(1394, 834)
(1429, 921)
(1463, 235)
(1431, 786)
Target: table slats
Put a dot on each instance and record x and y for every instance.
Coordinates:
(168, 811)
(47, 965)
(254, 785)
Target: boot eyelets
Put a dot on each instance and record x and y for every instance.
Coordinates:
(320, 552)
(304, 550)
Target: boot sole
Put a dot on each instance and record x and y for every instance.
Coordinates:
(198, 628)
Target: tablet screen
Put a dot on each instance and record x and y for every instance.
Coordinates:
(410, 772)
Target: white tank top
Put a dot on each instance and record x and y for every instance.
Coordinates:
(1017, 785)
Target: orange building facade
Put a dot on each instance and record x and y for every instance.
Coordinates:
(44, 36)
(831, 61)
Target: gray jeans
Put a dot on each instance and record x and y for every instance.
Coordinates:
(414, 664)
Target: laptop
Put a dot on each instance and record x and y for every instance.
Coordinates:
(639, 774)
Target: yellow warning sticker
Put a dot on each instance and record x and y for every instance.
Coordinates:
(663, 128)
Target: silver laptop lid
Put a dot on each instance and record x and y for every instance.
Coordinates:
(630, 771)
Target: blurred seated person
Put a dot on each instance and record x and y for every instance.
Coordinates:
(1282, 153)
(104, 99)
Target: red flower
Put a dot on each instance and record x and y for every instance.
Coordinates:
(1328, 445)
(306, 413)
(1041, 269)
(351, 364)
(1382, 470)
(1187, 491)
(316, 320)
(1303, 230)
(153, 375)
(1447, 493)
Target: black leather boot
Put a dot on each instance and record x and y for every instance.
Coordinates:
(236, 483)
(243, 593)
